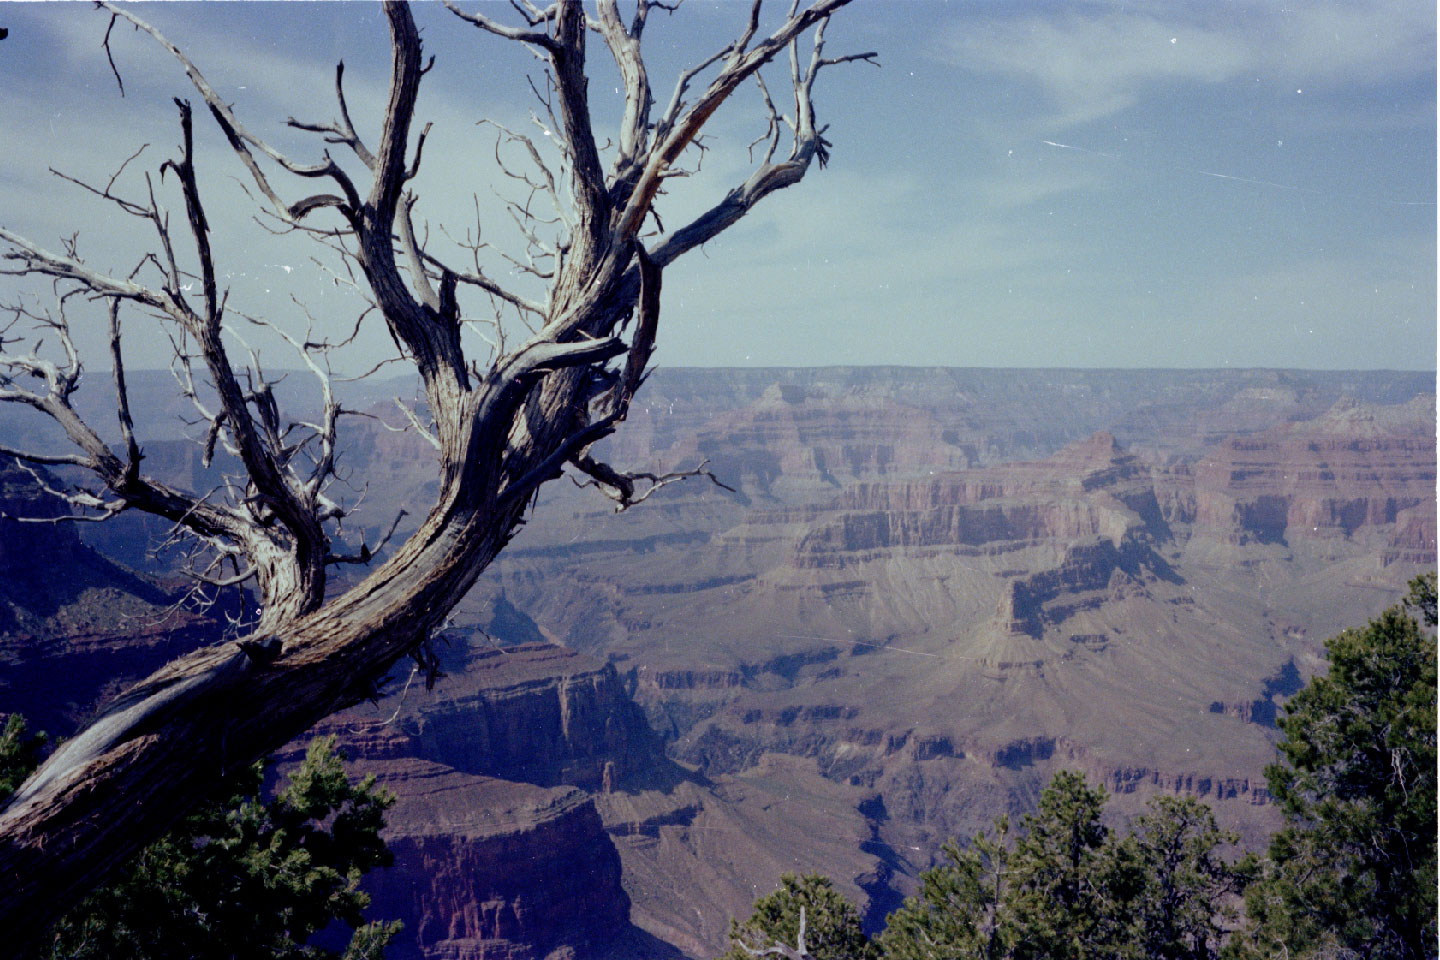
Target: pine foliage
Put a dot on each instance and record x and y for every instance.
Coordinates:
(245, 878)
(1353, 873)
(832, 924)
(1068, 887)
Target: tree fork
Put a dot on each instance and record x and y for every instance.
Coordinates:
(501, 433)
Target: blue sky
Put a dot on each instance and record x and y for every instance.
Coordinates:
(1070, 184)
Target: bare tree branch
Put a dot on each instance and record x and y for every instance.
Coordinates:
(122, 395)
(367, 553)
(239, 137)
(739, 67)
(500, 429)
(110, 56)
(621, 486)
(419, 428)
(624, 45)
(539, 38)
(46, 459)
(344, 131)
(35, 259)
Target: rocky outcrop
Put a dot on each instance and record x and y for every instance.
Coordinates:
(1414, 538)
(1090, 489)
(492, 869)
(1258, 711)
(535, 713)
(690, 679)
(863, 533)
(1124, 780)
(1097, 567)
(500, 852)
(488, 869)
(795, 441)
(1357, 467)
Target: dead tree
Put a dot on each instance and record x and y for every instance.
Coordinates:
(503, 425)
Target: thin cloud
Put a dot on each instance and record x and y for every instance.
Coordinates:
(1096, 63)
(1021, 189)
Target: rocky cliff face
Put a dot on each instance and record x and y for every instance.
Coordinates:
(499, 855)
(535, 805)
(538, 714)
(795, 442)
(1356, 468)
(489, 869)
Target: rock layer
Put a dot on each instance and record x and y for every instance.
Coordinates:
(489, 869)
(943, 639)
(498, 853)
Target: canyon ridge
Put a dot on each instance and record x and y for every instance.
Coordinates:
(918, 595)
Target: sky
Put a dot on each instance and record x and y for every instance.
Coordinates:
(1169, 184)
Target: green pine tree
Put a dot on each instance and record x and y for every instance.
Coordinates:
(19, 754)
(958, 913)
(243, 878)
(1179, 899)
(1058, 905)
(1071, 888)
(832, 924)
(1354, 871)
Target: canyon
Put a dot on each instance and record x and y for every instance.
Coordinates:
(924, 592)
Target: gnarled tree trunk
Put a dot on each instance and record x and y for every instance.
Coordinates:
(500, 433)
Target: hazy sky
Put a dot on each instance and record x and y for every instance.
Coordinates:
(1187, 184)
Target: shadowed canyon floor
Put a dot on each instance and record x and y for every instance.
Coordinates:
(930, 590)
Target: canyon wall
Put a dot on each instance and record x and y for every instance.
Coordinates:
(927, 592)
(499, 852)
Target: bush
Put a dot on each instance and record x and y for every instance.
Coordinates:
(241, 878)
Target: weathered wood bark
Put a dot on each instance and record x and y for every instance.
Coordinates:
(500, 433)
